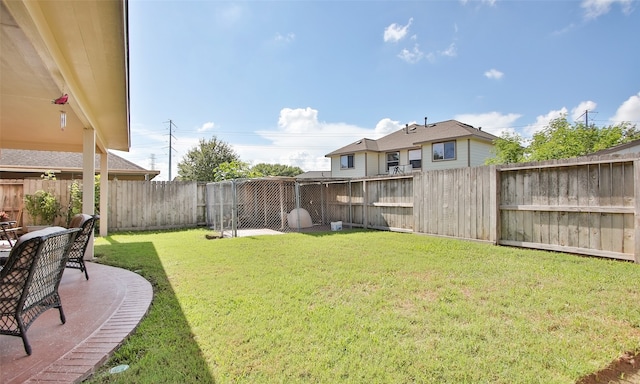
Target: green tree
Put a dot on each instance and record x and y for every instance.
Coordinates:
(562, 140)
(508, 149)
(276, 170)
(75, 201)
(200, 163)
(234, 170)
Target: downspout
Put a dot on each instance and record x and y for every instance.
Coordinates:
(468, 152)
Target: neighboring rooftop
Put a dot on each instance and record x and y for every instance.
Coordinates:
(414, 135)
(314, 175)
(20, 163)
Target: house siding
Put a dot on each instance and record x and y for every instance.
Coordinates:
(372, 164)
(461, 157)
(480, 152)
(361, 165)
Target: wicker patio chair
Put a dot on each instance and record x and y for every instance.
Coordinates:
(79, 247)
(30, 278)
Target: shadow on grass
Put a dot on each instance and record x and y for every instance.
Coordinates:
(163, 348)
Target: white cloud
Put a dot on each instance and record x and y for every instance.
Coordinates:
(490, 3)
(596, 8)
(578, 111)
(386, 126)
(450, 51)
(395, 32)
(411, 56)
(302, 140)
(542, 121)
(288, 38)
(208, 126)
(493, 74)
(493, 122)
(628, 111)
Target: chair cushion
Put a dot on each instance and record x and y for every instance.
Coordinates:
(78, 220)
(38, 233)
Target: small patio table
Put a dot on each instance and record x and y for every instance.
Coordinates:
(8, 237)
(9, 231)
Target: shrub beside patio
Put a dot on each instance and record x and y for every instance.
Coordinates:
(368, 306)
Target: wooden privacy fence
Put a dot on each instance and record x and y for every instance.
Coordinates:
(132, 205)
(12, 192)
(588, 206)
(149, 205)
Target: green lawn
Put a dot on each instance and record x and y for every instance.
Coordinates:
(370, 307)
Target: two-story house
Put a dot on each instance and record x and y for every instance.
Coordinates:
(443, 145)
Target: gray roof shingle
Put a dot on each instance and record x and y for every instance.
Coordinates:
(413, 136)
(64, 160)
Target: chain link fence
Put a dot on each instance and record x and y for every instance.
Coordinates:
(280, 204)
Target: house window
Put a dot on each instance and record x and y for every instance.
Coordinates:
(415, 158)
(346, 161)
(393, 159)
(444, 151)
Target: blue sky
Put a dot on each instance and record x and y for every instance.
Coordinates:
(290, 81)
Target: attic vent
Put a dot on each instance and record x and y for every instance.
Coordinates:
(359, 142)
(413, 128)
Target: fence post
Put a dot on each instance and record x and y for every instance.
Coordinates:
(234, 208)
(365, 204)
(298, 206)
(494, 210)
(636, 192)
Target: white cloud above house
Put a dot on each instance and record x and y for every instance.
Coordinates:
(302, 140)
(495, 123)
(493, 74)
(396, 32)
(386, 126)
(592, 9)
(629, 111)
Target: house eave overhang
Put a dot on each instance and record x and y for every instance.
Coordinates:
(50, 48)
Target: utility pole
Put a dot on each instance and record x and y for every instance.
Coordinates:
(586, 118)
(170, 145)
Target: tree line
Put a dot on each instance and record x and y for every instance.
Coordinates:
(561, 140)
(215, 160)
